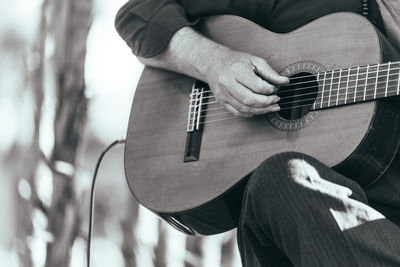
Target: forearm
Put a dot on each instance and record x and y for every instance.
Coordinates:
(245, 84)
(188, 53)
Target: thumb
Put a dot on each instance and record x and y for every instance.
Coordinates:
(268, 73)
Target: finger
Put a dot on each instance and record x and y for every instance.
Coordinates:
(253, 82)
(268, 73)
(234, 111)
(245, 111)
(239, 109)
(250, 99)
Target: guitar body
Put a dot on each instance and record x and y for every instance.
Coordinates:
(204, 196)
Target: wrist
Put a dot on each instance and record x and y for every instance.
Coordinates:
(214, 60)
(198, 55)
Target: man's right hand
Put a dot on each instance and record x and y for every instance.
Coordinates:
(243, 83)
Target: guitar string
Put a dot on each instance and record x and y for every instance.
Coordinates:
(290, 107)
(303, 88)
(235, 117)
(343, 77)
(353, 68)
(355, 92)
(333, 84)
(337, 95)
(348, 75)
(298, 106)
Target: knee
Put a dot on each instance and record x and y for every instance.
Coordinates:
(282, 160)
(283, 168)
(274, 186)
(283, 173)
(295, 175)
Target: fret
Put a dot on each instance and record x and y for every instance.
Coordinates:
(334, 90)
(358, 84)
(371, 83)
(341, 97)
(338, 88)
(330, 89)
(392, 78)
(323, 89)
(376, 80)
(315, 102)
(380, 82)
(355, 87)
(351, 88)
(362, 82)
(366, 82)
(347, 86)
(398, 81)
(387, 80)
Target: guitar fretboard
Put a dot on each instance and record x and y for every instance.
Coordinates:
(357, 84)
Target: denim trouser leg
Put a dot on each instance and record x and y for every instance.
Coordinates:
(298, 212)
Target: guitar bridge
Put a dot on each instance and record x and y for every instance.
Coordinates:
(196, 116)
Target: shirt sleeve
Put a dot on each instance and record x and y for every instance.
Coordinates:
(147, 26)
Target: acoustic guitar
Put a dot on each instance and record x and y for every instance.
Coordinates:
(187, 158)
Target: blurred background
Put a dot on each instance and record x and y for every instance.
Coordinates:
(66, 85)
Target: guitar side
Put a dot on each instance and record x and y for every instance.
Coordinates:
(207, 191)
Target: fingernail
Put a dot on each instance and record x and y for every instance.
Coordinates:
(276, 108)
(286, 79)
(276, 100)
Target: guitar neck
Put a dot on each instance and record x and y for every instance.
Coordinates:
(357, 84)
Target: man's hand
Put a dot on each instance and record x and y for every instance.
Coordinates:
(243, 83)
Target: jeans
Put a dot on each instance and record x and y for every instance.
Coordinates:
(298, 212)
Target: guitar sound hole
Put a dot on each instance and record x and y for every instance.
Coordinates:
(298, 96)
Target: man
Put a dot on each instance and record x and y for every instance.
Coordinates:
(295, 210)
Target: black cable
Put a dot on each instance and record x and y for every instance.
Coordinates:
(89, 241)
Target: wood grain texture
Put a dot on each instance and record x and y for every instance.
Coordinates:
(232, 149)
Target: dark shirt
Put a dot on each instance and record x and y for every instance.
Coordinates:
(148, 25)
